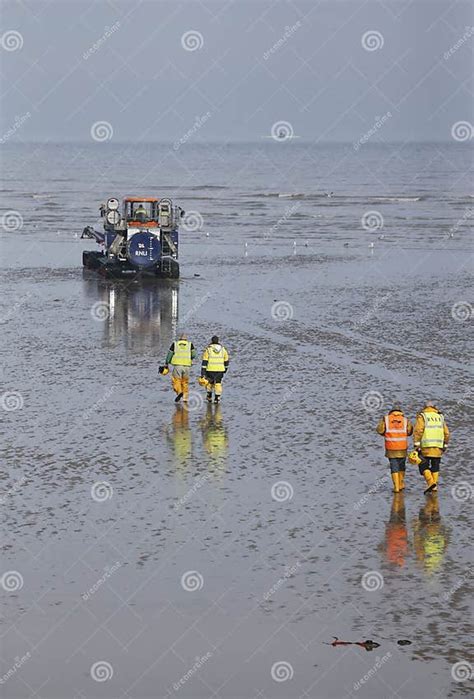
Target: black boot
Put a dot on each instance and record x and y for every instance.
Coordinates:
(209, 397)
(178, 397)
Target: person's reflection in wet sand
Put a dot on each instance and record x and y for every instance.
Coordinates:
(396, 533)
(430, 536)
(215, 439)
(179, 436)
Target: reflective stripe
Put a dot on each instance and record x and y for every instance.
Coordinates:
(396, 437)
(433, 434)
(182, 353)
(215, 358)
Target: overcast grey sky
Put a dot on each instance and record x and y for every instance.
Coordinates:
(150, 68)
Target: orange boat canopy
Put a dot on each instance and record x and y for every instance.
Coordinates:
(144, 199)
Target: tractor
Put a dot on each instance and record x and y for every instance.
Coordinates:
(140, 240)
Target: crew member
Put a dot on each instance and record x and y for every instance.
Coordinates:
(180, 356)
(215, 362)
(430, 438)
(140, 213)
(396, 428)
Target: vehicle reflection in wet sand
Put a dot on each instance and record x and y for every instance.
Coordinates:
(143, 315)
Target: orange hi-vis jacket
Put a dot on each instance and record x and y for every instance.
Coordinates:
(395, 428)
(396, 432)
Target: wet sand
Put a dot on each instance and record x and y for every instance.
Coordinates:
(163, 543)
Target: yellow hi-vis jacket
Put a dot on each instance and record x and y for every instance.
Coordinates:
(182, 353)
(215, 358)
(431, 432)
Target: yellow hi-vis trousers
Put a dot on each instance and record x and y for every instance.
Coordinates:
(180, 380)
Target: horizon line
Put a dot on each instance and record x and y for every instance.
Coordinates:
(268, 139)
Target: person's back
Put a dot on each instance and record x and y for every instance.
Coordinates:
(180, 356)
(430, 438)
(396, 428)
(215, 362)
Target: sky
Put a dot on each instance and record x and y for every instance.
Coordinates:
(217, 70)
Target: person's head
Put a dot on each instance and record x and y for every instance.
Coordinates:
(183, 336)
(429, 404)
(214, 340)
(396, 409)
